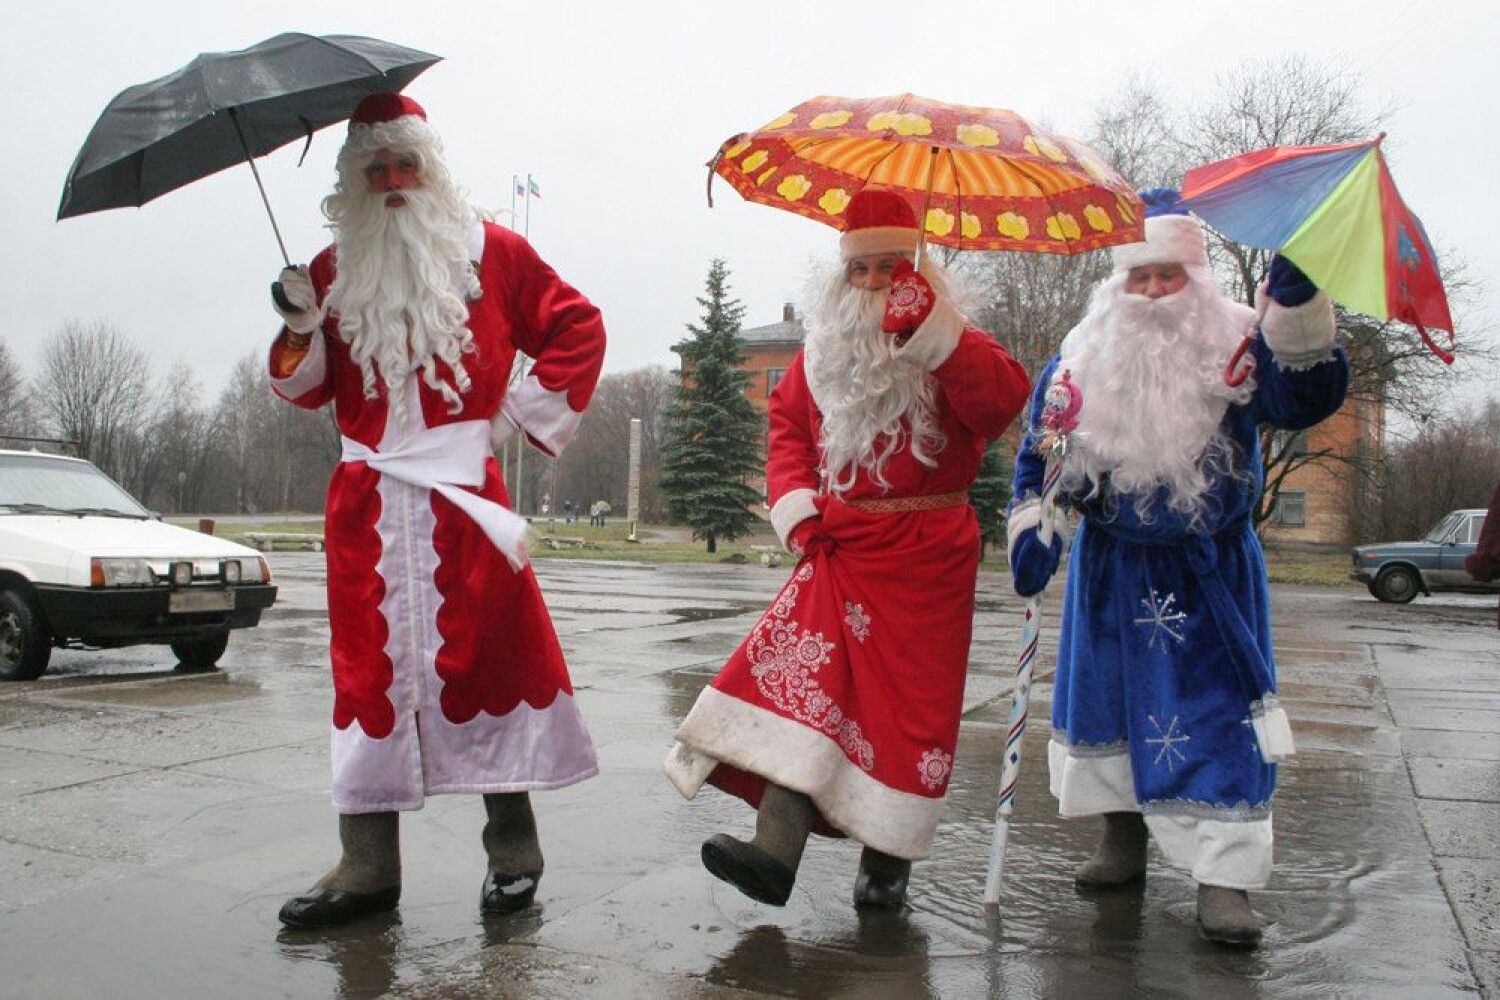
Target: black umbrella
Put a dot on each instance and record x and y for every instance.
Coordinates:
(226, 107)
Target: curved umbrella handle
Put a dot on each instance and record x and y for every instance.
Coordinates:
(713, 165)
(1235, 373)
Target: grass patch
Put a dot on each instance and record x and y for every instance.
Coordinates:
(1320, 567)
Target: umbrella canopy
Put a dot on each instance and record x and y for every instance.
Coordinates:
(225, 107)
(980, 178)
(1334, 212)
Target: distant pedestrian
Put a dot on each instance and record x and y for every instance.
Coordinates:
(570, 511)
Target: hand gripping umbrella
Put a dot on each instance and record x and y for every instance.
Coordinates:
(225, 108)
(1059, 417)
(979, 178)
(1334, 212)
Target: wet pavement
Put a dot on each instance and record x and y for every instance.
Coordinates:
(151, 823)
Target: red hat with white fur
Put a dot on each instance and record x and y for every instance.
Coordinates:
(378, 108)
(877, 221)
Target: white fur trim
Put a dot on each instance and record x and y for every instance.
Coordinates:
(502, 429)
(724, 728)
(1170, 239)
(1027, 514)
(790, 510)
(542, 413)
(474, 240)
(1234, 854)
(309, 373)
(877, 239)
(1299, 336)
(936, 339)
(1228, 852)
(406, 132)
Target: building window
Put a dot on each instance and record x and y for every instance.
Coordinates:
(773, 377)
(1291, 509)
(1289, 443)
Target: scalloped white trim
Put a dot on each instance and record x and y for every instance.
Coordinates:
(309, 373)
(936, 339)
(1299, 336)
(544, 414)
(723, 728)
(793, 507)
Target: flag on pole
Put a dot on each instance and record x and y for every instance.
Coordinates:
(520, 188)
(536, 191)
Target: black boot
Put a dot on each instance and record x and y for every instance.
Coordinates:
(366, 880)
(881, 882)
(1121, 858)
(1225, 917)
(515, 855)
(765, 868)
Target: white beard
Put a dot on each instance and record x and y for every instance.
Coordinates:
(401, 289)
(871, 403)
(1154, 397)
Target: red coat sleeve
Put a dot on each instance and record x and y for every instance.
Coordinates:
(554, 323)
(792, 478)
(986, 387)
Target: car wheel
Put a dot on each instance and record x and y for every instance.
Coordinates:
(1396, 585)
(25, 645)
(199, 655)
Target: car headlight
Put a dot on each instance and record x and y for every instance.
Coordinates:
(230, 570)
(120, 573)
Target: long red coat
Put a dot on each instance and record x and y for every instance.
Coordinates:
(447, 672)
(850, 687)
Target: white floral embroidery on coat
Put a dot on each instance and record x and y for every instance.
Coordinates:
(784, 660)
(934, 767)
(856, 620)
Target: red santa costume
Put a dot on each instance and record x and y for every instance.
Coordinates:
(447, 673)
(849, 688)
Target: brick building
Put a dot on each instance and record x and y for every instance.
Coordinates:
(766, 352)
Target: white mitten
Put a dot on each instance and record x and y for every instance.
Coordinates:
(297, 303)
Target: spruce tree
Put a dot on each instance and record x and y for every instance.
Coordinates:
(713, 431)
(990, 494)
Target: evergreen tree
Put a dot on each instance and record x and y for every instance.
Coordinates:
(713, 431)
(990, 494)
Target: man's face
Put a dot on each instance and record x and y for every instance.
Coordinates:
(389, 173)
(1156, 280)
(872, 271)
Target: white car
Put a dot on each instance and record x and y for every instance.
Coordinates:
(83, 564)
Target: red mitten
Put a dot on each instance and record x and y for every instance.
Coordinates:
(807, 538)
(909, 303)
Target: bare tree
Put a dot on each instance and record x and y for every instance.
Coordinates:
(1449, 463)
(15, 410)
(94, 388)
(595, 465)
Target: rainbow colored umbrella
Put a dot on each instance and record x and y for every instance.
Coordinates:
(1335, 213)
(979, 178)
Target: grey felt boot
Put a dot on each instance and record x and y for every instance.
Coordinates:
(1121, 858)
(881, 883)
(1225, 917)
(765, 868)
(515, 854)
(366, 880)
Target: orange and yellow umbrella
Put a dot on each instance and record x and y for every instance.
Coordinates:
(981, 178)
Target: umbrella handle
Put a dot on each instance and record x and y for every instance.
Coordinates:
(235, 118)
(1235, 373)
(713, 165)
(922, 219)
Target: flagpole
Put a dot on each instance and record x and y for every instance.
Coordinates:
(527, 232)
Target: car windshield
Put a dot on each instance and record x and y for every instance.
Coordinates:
(46, 484)
(1443, 529)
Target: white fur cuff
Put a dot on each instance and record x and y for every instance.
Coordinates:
(791, 510)
(502, 429)
(309, 373)
(936, 339)
(1299, 336)
(877, 239)
(1025, 515)
(544, 414)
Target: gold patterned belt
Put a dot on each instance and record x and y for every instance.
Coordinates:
(903, 505)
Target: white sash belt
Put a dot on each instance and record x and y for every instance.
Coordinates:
(442, 459)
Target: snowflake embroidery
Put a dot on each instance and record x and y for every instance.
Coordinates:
(784, 660)
(1164, 618)
(856, 620)
(934, 767)
(1167, 740)
(907, 298)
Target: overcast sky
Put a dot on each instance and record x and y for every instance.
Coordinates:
(614, 109)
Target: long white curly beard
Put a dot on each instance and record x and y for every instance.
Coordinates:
(401, 289)
(1154, 397)
(871, 402)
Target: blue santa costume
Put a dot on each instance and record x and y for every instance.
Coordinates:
(1165, 698)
